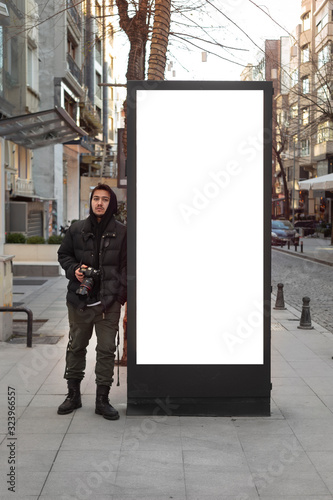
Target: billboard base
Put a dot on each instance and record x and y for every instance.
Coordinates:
(200, 407)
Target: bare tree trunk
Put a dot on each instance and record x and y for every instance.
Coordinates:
(159, 42)
(136, 29)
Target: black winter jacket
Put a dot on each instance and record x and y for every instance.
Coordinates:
(78, 248)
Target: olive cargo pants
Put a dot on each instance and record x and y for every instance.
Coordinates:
(81, 324)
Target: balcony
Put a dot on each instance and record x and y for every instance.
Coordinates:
(323, 149)
(74, 69)
(24, 187)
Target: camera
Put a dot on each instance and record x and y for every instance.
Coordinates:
(90, 274)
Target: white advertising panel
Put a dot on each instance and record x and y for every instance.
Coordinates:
(199, 227)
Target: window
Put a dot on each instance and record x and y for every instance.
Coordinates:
(70, 106)
(323, 21)
(279, 117)
(305, 85)
(13, 61)
(98, 50)
(324, 55)
(306, 53)
(323, 94)
(32, 68)
(330, 166)
(98, 10)
(294, 77)
(305, 116)
(71, 48)
(325, 132)
(294, 111)
(1, 61)
(98, 89)
(306, 21)
(22, 159)
(305, 147)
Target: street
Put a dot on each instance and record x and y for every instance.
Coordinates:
(303, 278)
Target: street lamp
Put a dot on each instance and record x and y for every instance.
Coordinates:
(293, 190)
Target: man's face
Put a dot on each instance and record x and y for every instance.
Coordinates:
(100, 202)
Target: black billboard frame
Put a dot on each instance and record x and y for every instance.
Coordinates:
(205, 390)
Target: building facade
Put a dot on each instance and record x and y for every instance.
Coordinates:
(301, 69)
(57, 122)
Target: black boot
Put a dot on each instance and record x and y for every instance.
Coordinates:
(103, 406)
(73, 399)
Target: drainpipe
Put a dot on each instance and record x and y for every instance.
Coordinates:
(89, 54)
(105, 89)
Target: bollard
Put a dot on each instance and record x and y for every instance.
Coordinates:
(305, 321)
(301, 246)
(296, 247)
(279, 303)
(288, 244)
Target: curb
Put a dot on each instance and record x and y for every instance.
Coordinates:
(313, 259)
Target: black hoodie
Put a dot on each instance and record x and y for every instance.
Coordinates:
(80, 247)
(98, 229)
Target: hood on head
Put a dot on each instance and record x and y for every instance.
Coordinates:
(112, 208)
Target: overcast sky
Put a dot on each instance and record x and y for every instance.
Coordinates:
(187, 62)
(253, 22)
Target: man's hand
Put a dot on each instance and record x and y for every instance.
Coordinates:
(79, 276)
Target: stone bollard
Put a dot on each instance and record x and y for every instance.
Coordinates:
(305, 321)
(279, 303)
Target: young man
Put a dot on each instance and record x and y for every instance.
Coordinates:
(93, 254)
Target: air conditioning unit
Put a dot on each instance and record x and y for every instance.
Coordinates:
(18, 217)
(3, 10)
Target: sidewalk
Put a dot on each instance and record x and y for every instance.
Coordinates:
(288, 455)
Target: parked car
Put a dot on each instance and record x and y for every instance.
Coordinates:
(309, 226)
(282, 232)
(276, 241)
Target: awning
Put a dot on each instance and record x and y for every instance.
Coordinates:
(324, 182)
(44, 128)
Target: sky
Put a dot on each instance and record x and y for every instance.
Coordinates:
(187, 62)
(255, 23)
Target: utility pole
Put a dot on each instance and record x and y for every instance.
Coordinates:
(293, 197)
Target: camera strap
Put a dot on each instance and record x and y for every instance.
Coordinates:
(118, 361)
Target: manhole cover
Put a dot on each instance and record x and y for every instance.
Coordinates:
(28, 282)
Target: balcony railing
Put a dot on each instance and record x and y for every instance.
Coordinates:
(24, 186)
(74, 13)
(74, 69)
